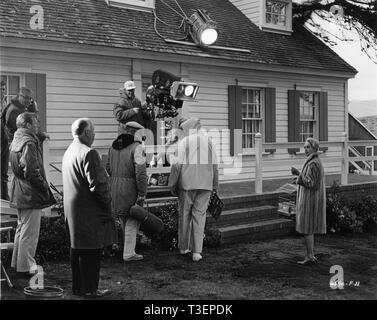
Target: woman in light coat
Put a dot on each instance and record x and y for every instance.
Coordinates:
(311, 198)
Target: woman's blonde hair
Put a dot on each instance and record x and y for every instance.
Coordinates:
(314, 143)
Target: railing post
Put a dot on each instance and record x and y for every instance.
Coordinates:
(345, 160)
(46, 166)
(371, 172)
(258, 163)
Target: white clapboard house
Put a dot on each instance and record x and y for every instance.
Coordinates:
(263, 74)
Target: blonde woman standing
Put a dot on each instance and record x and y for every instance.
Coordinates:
(311, 198)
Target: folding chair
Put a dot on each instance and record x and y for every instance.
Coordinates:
(6, 246)
(8, 222)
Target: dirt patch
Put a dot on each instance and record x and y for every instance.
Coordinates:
(255, 270)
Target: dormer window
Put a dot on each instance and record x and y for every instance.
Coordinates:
(277, 16)
(142, 5)
(276, 12)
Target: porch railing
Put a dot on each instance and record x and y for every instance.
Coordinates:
(344, 144)
(260, 147)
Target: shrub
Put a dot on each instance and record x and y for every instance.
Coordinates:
(168, 238)
(366, 211)
(53, 244)
(348, 215)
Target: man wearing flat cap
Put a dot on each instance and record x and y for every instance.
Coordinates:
(129, 108)
(127, 169)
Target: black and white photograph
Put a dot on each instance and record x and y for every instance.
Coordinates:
(188, 156)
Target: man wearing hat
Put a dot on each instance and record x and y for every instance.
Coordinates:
(129, 108)
(128, 182)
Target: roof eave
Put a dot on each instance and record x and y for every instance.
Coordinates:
(60, 45)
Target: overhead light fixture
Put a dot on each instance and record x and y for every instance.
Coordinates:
(185, 91)
(203, 29)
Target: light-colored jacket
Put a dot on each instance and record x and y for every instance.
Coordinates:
(311, 198)
(196, 167)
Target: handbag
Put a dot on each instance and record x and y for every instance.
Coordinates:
(149, 222)
(215, 206)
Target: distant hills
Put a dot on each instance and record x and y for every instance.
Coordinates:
(363, 108)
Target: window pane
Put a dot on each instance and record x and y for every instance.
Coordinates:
(257, 111)
(244, 96)
(14, 85)
(255, 126)
(245, 126)
(244, 110)
(268, 18)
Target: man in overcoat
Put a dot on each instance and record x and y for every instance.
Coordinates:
(87, 203)
(29, 191)
(128, 182)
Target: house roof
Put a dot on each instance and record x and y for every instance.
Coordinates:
(92, 22)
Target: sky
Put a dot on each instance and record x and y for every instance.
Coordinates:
(364, 85)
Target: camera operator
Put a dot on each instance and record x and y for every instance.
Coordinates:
(23, 102)
(129, 108)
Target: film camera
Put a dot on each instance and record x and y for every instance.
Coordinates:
(168, 92)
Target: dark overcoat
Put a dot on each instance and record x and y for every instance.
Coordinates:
(86, 198)
(128, 177)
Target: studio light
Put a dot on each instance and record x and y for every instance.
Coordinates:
(203, 29)
(185, 91)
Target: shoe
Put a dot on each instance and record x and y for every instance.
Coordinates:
(183, 252)
(97, 293)
(307, 261)
(196, 257)
(135, 257)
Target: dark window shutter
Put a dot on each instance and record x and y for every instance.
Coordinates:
(323, 118)
(293, 119)
(270, 117)
(37, 83)
(235, 118)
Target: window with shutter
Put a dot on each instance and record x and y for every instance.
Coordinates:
(252, 116)
(251, 110)
(307, 116)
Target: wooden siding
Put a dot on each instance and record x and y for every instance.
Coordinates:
(87, 86)
(250, 8)
(212, 108)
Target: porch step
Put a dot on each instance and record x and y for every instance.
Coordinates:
(243, 215)
(256, 230)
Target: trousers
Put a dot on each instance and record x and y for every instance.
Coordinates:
(85, 264)
(192, 208)
(26, 239)
(131, 228)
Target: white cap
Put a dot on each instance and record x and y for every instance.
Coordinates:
(129, 85)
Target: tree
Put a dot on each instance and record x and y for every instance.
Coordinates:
(353, 17)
